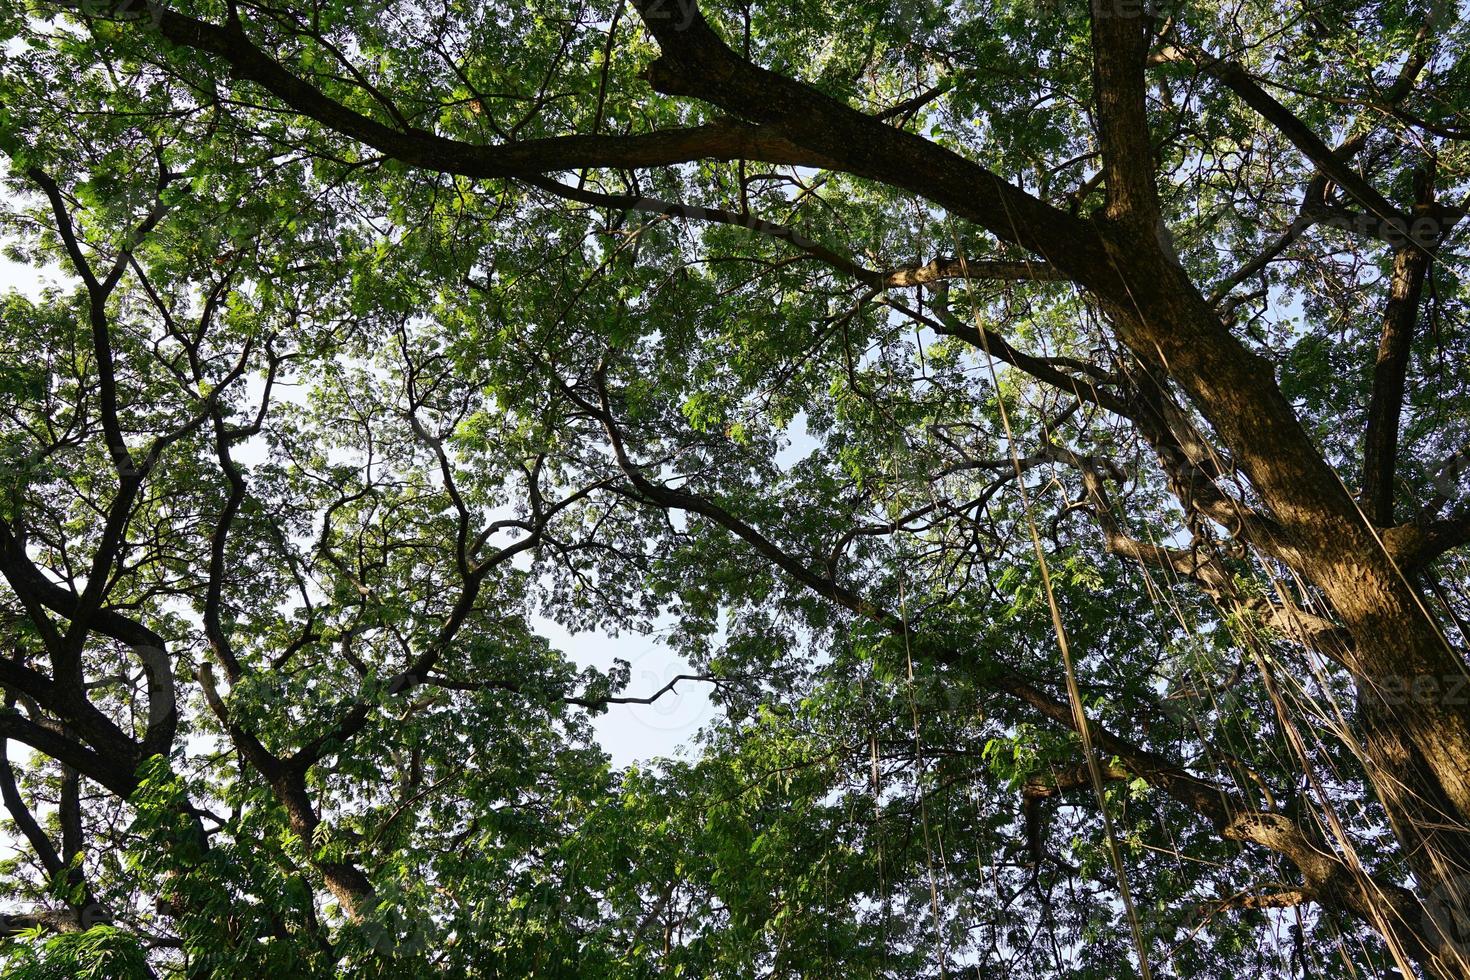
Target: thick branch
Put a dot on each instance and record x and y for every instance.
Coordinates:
(1381, 437)
(24, 820)
(695, 62)
(114, 770)
(420, 148)
(1119, 50)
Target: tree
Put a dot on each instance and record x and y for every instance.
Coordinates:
(1019, 404)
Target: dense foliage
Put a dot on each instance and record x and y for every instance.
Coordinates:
(1043, 429)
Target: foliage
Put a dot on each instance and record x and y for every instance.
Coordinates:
(381, 338)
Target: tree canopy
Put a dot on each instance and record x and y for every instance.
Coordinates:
(1043, 427)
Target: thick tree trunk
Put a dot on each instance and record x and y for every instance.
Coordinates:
(1416, 733)
(1422, 819)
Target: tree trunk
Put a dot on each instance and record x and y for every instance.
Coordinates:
(1414, 729)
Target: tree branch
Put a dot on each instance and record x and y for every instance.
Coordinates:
(1119, 50)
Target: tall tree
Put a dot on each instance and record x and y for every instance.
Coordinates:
(1010, 405)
